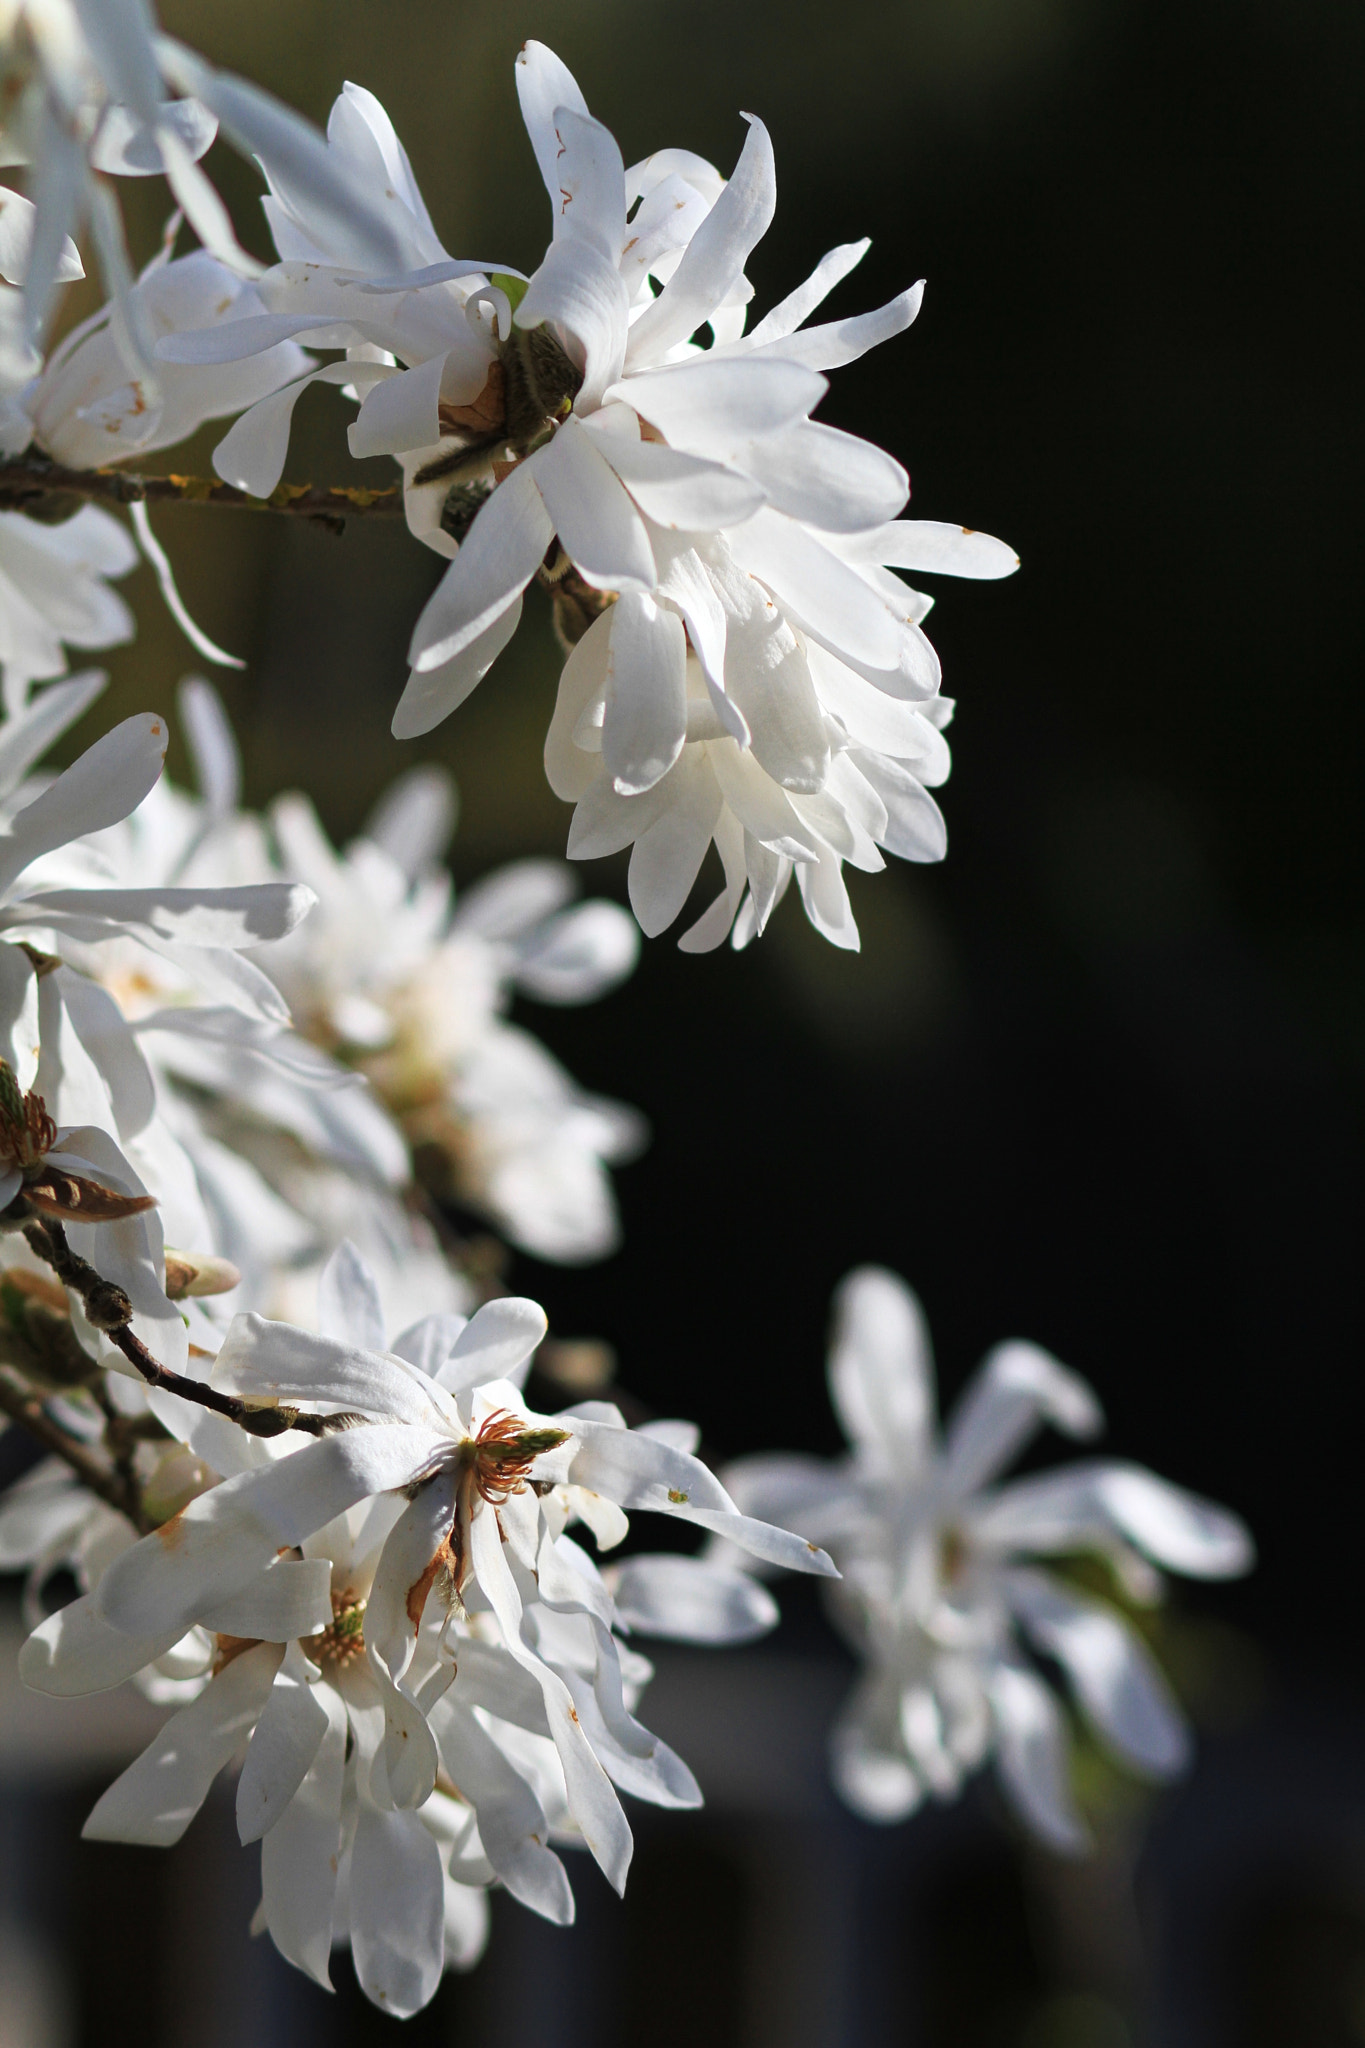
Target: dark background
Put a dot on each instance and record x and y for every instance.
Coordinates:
(1095, 1080)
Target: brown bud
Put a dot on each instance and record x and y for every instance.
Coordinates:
(198, 1273)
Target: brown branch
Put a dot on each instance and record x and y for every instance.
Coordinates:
(111, 1487)
(109, 1309)
(31, 483)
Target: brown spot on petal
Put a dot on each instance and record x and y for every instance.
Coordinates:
(172, 1533)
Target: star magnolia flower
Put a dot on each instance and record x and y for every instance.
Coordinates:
(945, 1590)
(54, 594)
(85, 410)
(412, 991)
(747, 672)
(63, 1035)
(329, 1657)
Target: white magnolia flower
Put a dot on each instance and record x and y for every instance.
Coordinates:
(748, 670)
(62, 1034)
(411, 987)
(945, 1586)
(86, 410)
(367, 1703)
(54, 594)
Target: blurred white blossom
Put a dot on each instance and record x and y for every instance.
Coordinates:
(946, 1584)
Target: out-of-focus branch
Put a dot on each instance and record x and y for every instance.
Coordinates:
(32, 483)
(117, 1488)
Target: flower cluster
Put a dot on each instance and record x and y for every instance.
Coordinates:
(950, 1579)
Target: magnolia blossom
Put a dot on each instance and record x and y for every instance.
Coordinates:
(86, 410)
(411, 986)
(62, 1034)
(747, 672)
(54, 594)
(368, 1701)
(946, 1586)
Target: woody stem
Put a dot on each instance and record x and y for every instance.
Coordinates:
(31, 480)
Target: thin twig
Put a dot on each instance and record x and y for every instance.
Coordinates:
(112, 1487)
(31, 481)
(109, 1309)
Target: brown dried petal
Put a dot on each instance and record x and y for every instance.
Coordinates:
(71, 1198)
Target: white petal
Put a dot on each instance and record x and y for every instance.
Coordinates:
(915, 827)
(825, 897)
(668, 853)
(543, 84)
(100, 789)
(794, 311)
(1015, 1390)
(881, 1371)
(283, 1748)
(25, 738)
(716, 408)
(592, 1802)
(682, 491)
(512, 1823)
(157, 1797)
(232, 918)
(431, 696)
(403, 1572)
(292, 1599)
(646, 702)
(831, 480)
(933, 548)
(278, 1361)
(76, 1651)
(687, 1600)
(714, 259)
(349, 1309)
(568, 769)
(598, 527)
(1087, 1504)
(300, 1853)
(843, 341)
(397, 1899)
(215, 1545)
(819, 591)
(399, 413)
(1032, 1757)
(1115, 1679)
(579, 290)
(501, 553)
(579, 955)
(495, 1344)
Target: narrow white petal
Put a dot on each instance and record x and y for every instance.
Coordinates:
(397, 1899)
(715, 257)
(283, 1748)
(646, 702)
(598, 527)
(501, 553)
(1016, 1389)
(687, 1600)
(300, 1853)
